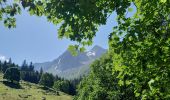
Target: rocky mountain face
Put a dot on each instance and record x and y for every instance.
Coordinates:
(69, 66)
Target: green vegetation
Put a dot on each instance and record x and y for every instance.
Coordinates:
(139, 44)
(65, 86)
(29, 74)
(10, 70)
(102, 84)
(29, 91)
(47, 80)
(12, 74)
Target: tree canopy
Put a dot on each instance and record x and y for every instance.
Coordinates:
(12, 74)
(47, 80)
(101, 84)
(80, 19)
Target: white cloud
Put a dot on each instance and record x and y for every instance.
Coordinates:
(3, 58)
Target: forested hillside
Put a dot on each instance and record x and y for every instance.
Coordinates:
(28, 91)
(13, 75)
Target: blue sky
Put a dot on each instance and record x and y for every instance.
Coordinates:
(35, 39)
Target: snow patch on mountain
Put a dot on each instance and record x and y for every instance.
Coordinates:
(56, 67)
(91, 53)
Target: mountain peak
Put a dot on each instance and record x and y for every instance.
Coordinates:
(69, 65)
(97, 47)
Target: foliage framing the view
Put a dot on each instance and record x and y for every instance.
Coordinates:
(141, 58)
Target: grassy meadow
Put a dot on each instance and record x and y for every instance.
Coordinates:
(28, 91)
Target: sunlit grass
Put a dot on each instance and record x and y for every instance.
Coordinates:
(29, 91)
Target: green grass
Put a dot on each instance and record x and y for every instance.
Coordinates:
(29, 91)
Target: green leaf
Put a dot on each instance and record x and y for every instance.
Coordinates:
(137, 94)
(128, 82)
(130, 9)
(82, 49)
(150, 83)
(120, 82)
(72, 50)
(163, 1)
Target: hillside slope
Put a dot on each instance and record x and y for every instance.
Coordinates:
(69, 66)
(29, 91)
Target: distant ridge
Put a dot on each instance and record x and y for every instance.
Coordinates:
(69, 66)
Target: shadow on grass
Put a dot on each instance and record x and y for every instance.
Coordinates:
(49, 91)
(12, 85)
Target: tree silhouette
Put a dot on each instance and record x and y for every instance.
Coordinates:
(47, 80)
(12, 74)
